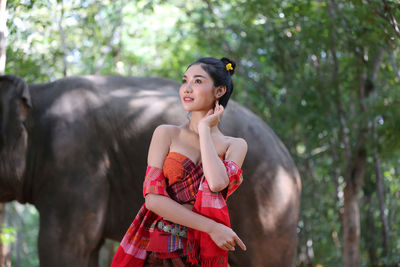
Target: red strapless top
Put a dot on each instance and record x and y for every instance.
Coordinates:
(177, 166)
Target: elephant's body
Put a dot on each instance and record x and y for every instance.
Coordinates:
(85, 159)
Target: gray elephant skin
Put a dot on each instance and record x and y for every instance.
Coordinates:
(76, 148)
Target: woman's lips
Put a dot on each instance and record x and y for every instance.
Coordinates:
(188, 99)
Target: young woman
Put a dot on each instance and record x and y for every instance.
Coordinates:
(185, 221)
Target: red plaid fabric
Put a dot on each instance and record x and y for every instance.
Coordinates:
(193, 187)
(185, 190)
(154, 182)
(200, 247)
(132, 249)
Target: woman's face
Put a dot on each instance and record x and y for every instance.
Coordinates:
(199, 87)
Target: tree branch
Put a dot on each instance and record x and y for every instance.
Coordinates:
(394, 65)
(392, 19)
(62, 36)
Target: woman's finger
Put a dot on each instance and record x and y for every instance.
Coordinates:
(224, 247)
(232, 244)
(240, 243)
(228, 246)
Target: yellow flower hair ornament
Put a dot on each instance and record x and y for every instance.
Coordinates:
(229, 66)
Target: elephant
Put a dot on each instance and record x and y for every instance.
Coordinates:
(76, 148)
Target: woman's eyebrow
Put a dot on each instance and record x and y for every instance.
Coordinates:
(195, 76)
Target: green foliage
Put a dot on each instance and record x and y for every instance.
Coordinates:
(7, 235)
(23, 220)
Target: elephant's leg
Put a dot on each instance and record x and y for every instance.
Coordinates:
(94, 256)
(72, 221)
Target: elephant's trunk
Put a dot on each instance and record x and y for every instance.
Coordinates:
(11, 172)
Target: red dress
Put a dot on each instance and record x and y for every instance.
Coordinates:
(180, 180)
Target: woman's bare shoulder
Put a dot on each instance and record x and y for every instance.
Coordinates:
(237, 149)
(168, 129)
(234, 140)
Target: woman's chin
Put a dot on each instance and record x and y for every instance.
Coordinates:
(188, 108)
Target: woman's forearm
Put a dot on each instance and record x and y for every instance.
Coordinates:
(213, 168)
(172, 211)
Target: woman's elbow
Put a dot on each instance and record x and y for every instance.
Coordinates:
(217, 187)
(149, 201)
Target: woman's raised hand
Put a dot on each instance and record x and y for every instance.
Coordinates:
(225, 237)
(213, 115)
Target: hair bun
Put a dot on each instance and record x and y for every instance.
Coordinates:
(226, 61)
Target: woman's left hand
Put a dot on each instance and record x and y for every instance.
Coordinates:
(213, 115)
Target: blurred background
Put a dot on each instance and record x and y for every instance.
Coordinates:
(323, 74)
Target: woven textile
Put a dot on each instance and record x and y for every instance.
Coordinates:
(181, 182)
(200, 247)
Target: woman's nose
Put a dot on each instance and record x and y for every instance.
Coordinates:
(188, 87)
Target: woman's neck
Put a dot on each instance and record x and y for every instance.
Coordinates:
(193, 123)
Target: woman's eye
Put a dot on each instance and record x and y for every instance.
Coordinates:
(198, 81)
(183, 81)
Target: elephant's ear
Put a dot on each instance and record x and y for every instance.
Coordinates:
(25, 98)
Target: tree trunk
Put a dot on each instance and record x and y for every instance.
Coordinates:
(381, 198)
(351, 214)
(356, 166)
(377, 161)
(111, 252)
(370, 232)
(394, 65)
(115, 50)
(2, 252)
(5, 260)
(62, 36)
(3, 19)
(355, 163)
(19, 249)
(335, 173)
(351, 228)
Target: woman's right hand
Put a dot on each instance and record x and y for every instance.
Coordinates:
(225, 237)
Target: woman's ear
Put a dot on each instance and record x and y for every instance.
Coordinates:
(220, 91)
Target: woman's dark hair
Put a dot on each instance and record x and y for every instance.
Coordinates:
(218, 71)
